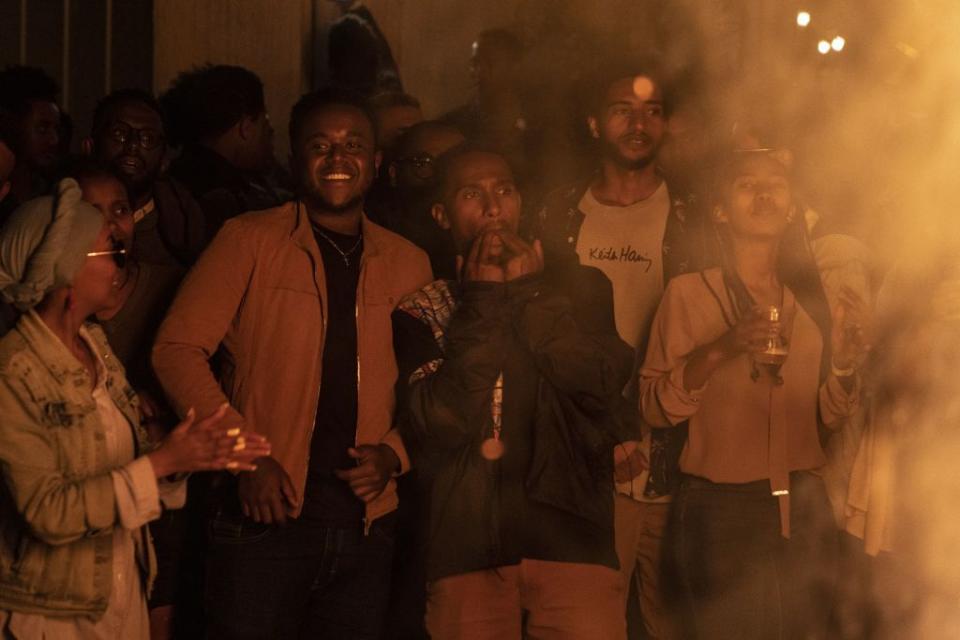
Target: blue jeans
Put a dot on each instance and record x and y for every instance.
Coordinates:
(301, 580)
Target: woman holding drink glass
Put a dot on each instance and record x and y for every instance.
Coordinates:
(748, 353)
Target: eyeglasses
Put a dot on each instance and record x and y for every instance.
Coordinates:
(148, 139)
(117, 251)
(423, 164)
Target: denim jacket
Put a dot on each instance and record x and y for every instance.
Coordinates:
(58, 508)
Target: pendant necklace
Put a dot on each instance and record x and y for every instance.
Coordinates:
(344, 254)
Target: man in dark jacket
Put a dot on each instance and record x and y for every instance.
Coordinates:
(628, 222)
(219, 115)
(513, 377)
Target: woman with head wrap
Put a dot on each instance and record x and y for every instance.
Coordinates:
(79, 475)
(748, 353)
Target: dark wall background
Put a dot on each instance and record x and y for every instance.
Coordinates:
(89, 46)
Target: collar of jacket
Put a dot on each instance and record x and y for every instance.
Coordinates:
(561, 219)
(302, 233)
(571, 195)
(71, 375)
(54, 355)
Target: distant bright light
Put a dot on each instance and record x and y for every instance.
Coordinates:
(907, 50)
(643, 87)
(838, 43)
(823, 47)
(803, 19)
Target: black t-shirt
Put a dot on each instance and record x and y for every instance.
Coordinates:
(327, 498)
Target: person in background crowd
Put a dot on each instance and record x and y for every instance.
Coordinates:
(8, 313)
(219, 116)
(129, 133)
(359, 58)
(512, 377)
(756, 541)
(30, 119)
(80, 475)
(625, 220)
(394, 113)
(299, 297)
(405, 203)
(496, 114)
(690, 146)
(7, 161)
(495, 111)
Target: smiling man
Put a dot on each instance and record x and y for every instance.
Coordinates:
(298, 299)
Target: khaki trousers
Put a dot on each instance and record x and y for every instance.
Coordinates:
(563, 601)
(640, 528)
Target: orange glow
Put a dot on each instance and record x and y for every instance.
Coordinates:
(643, 87)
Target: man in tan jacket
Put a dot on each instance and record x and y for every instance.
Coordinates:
(296, 301)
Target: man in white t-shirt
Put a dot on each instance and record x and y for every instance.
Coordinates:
(626, 222)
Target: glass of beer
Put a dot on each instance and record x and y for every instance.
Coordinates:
(775, 353)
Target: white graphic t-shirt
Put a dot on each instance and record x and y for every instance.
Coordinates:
(626, 243)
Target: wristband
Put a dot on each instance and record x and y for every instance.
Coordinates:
(841, 373)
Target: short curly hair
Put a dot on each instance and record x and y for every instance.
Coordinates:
(321, 99)
(207, 100)
(20, 85)
(123, 96)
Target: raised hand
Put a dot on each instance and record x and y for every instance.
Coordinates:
(850, 335)
(483, 263)
(521, 258)
(206, 445)
(629, 461)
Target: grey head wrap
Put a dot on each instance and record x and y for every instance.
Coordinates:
(44, 243)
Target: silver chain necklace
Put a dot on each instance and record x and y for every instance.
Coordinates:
(344, 254)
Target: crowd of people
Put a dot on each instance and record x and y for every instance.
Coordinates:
(471, 377)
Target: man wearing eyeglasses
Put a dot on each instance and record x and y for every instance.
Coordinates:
(128, 133)
(405, 207)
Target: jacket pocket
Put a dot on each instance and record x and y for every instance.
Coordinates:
(64, 414)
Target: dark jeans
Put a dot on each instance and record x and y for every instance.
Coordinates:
(740, 578)
(302, 580)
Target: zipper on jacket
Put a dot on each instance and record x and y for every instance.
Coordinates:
(323, 342)
(367, 523)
